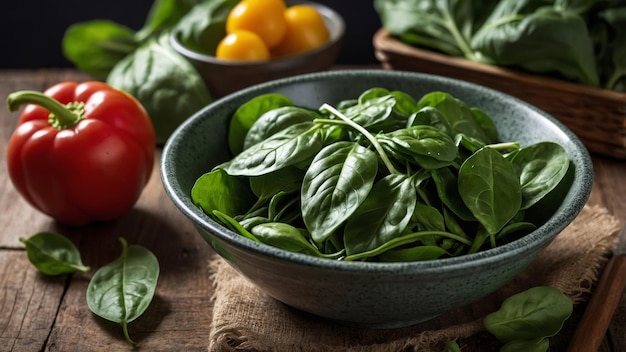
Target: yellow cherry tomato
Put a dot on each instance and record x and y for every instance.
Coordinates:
(263, 17)
(243, 46)
(306, 31)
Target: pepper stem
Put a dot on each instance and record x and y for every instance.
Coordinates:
(61, 116)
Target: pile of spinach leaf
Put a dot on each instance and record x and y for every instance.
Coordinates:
(579, 40)
(144, 64)
(381, 177)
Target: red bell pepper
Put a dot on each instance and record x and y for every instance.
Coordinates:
(82, 152)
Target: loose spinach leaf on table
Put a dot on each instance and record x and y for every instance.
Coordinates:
(527, 318)
(53, 254)
(537, 345)
(122, 290)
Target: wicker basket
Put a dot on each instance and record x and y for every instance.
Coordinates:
(596, 116)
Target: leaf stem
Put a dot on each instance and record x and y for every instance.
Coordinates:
(615, 77)
(406, 239)
(364, 132)
(127, 335)
(124, 258)
(504, 145)
(458, 37)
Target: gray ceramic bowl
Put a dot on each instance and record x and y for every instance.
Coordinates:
(379, 295)
(223, 77)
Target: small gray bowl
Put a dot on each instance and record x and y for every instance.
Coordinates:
(223, 77)
(366, 294)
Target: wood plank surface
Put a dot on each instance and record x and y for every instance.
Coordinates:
(39, 313)
(50, 314)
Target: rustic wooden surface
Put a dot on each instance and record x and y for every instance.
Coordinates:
(38, 313)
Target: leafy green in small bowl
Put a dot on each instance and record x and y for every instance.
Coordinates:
(329, 270)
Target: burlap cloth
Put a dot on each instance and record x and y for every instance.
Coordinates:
(245, 319)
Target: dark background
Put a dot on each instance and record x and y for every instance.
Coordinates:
(31, 31)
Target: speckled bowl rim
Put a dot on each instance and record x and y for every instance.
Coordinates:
(336, 35)
(576, 197)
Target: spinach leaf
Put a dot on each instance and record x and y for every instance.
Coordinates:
(427, 218)
(616, 18)
(562, 35)
(451, 346)
(336, 183)
(163, 15)
(578, 6)
(376, 114)
(537, 345)
(446, 182)
(490, 188)
(541, 167)
(413, 254)
(217, 190)
(123, 289)
(372, 94)
(287, 237)
(246, 115)
(276, 120)
(53, 254)
(288, 147)
(486, 124)
(533, 314)
(458, 115)
(286, 180)
(472, 145)
(95, 47)
(202, 28)
(454, 194)
(405, 104)
(442, 25)
(425, 145)
(430, 116)
(383, 215)
(165, 83)
(236, 226)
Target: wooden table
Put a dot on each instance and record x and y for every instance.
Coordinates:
(39, 313)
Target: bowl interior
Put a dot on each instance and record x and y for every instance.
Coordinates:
(200, 143)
